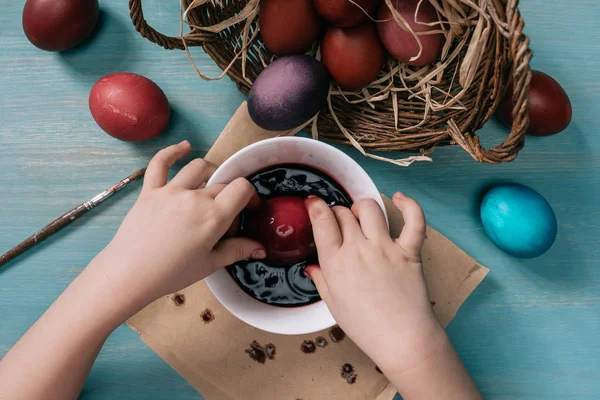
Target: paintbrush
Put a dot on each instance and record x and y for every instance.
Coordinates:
(67, 218)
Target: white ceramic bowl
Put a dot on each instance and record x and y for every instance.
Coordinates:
(258, 156)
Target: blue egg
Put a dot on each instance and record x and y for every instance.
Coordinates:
(518, 220)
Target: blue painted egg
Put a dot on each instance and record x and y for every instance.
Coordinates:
(289, 92)
(518, 220)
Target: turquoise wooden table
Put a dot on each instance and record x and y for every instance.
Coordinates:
(531, 330)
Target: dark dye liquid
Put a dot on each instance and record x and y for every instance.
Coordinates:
(286, 286)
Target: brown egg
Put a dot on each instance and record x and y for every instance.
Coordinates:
(344, 13)
(57, 25)
(353, 56)
(288, 26)
(401, 43)
(129, 107)
(549, 107)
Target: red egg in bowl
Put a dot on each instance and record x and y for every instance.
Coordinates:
(283, 226)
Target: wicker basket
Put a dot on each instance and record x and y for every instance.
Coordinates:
(506, 58)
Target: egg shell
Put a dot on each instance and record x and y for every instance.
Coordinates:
(518, 220)
(353, 56)
(288, 26)
(283, 226)
(57, 25)
(233, 229)
(344, 13)
(400, 43)
(129, 107)
(549, 107)
(289, 92)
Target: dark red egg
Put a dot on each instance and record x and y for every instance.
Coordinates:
(353, 56)
(57, 25)
(233, 229)
(288, 26)
(400, 43)
(129, 107)
(283, 226)
(549, 107)
(344, 13)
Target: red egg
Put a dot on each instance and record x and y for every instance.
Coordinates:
(233, 229)
(288, 26)
(283, 226)
(129, 107)
(400, 43)
(57, 25)
(353, 56)
(549, 107)
(344, 13)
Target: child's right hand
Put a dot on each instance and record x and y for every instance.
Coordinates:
(171, 238)
(373, 284)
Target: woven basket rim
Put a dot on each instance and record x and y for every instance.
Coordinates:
(508, 25)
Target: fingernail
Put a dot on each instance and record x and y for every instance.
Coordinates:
(311, 199)
(259, 254)
(399, 195)
(307, 274)
(184, 142)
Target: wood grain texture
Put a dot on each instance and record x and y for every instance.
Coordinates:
(531, 330)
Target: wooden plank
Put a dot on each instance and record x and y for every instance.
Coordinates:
(529, 331)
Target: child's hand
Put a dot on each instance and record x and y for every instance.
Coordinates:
(171, 237)
(373, 284)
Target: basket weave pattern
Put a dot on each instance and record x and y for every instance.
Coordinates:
(506, 58)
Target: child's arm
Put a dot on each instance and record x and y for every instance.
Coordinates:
(168, 241)
(375, 289)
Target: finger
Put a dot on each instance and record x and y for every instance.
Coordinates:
(255, 201)
(315, 274)
(371, 219)
(348, 224)
(157, 172)
(235, 196)
(413, 233)
(214, 190)
(230, 251)
(194, 174)
(234, 228)
(326, 230)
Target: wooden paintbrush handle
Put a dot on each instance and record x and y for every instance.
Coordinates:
(67, 218)
(43, 233)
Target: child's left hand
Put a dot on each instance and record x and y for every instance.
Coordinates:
(171, 238)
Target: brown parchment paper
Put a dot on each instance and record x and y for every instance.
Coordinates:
(212, 356)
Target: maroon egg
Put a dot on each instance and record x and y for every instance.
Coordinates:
(289, 92)
(344, 13)
(353, 56)
(283, 226)
(57, 25)
(233, 229)
(400, 43)
(288, 26)
(129, 107)
(549, 107)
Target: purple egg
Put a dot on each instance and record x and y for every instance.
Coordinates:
(288, 93)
